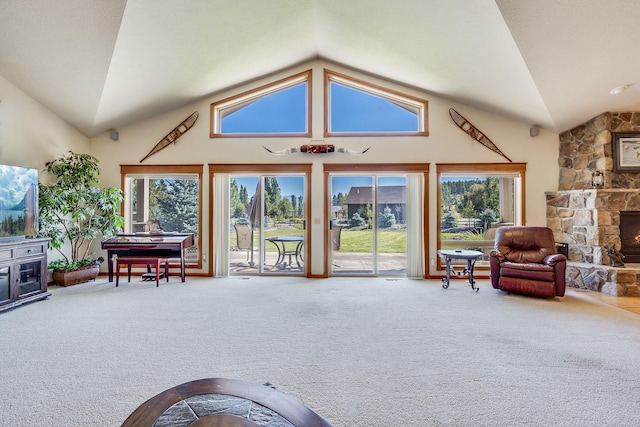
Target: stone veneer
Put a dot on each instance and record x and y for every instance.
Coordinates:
(587, 148)
(588, 219)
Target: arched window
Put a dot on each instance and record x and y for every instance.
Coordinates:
(282, 108)
(357, 108)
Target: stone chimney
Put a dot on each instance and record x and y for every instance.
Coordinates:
(587, 148)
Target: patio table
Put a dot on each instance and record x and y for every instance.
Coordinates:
(280, 242)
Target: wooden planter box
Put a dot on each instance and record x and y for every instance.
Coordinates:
(62, 277)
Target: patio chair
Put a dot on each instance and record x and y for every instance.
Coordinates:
(336, 231)
(244, 237)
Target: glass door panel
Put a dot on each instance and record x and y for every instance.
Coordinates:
(5, 281)
(267, 224)
(352, 224)
(246, 217)
(283, 224)
(29, 280)
(392, 225)
(368, 225)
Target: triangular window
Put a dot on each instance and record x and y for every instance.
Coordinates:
(356, 108)
(278, 109)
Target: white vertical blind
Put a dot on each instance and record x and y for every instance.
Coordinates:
(415, 229)
(221, 224)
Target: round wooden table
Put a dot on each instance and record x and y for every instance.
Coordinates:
(220, 402)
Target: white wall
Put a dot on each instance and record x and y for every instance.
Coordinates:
(31, 135)
(446, 143)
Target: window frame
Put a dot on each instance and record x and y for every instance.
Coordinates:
(377, 169)
(373, 89)
(254, 94)
(262, 169)
(159, 171)
(485, 169)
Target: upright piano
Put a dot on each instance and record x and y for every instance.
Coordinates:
(170, 245)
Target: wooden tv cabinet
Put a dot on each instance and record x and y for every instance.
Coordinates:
(23, 272)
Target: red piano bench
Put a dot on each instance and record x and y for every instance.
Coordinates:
(142, 260)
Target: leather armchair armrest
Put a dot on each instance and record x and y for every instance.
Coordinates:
(495, 259)
(559, 264)
(552, 260)
(498, 255)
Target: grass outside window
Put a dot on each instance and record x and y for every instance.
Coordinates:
(357, 241)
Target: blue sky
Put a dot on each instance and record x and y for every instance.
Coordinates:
(355, 111)
(283, 111)
(351, 111)
(295, 184)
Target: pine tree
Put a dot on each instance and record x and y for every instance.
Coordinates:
(178, 208)
(235, 204)
(294, 205)
(357, 220)
(386, 219)
(244, 195)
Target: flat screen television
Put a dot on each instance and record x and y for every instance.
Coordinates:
(18, 202)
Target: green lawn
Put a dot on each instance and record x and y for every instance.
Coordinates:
(269, 233)
(389, 241)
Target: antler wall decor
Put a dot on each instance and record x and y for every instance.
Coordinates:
(316, 149)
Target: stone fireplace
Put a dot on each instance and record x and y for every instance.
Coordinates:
(588, 219)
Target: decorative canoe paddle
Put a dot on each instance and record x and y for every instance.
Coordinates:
(173, 136)
(474, 132)
(316, 148)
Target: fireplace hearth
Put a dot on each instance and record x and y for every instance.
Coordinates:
(590, 222)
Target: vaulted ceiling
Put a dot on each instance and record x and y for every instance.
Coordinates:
(105, 64)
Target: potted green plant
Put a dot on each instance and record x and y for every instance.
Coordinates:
(74, 212)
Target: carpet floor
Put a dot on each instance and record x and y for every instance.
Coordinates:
(358, 351)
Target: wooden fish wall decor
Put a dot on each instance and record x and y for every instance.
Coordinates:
(315, 149)
(474, 132)
(173, 136)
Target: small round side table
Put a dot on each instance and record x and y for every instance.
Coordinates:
(451, 254)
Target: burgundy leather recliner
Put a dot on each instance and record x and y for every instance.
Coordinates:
(525, 261)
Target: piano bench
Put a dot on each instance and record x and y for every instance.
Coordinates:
(157, 261)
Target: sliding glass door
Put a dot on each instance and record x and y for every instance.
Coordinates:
(368, 227)
(267, 234)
